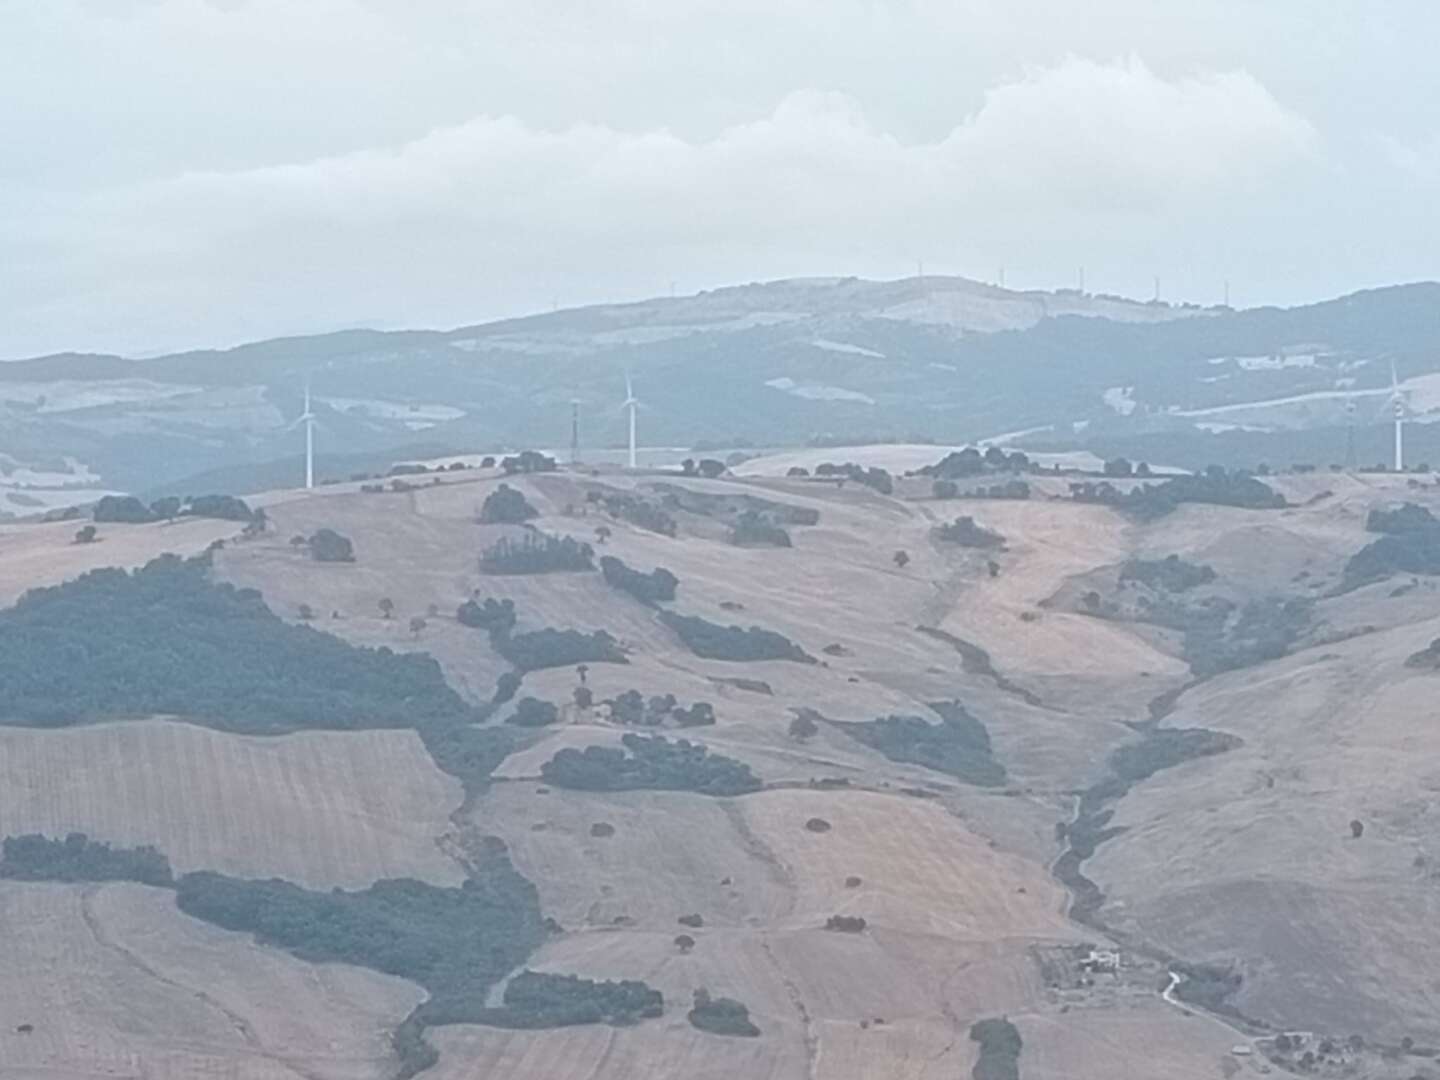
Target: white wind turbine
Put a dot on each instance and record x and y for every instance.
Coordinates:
(308, 419)
(633, 404)
(1398, 404)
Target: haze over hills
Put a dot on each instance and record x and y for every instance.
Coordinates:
(1097, 789)
(942, 359)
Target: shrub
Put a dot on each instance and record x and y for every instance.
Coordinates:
(537, 553)
(797, 472)
(86, 535)
(873, 477)
(721, 1016)
(656, 587)
(1171, 573)
(1401, 519)
(532, 712)
(78, 858)
(803, 726)
(653, 763)
(817, 825)
(123, 509)
(965, 532)
(327, 545)
(715, 642)
(710, 468)
(752, 529)
(846, 924)
(506, 506)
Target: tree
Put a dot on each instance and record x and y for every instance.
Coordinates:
(417, 624)
(684, 942)
(995, 457)
(387, 607)
(1143, 469)
(167, 508)
(803, 726)
(602, 533)
(327, 545)
(1357, 829)
(945, 489)
(122, 508)
(797, 472)
(584, 697)
(901, 559)
(86, 535)
(307, 612)
(688, 466)
(582, 670)
(710, 468)
(1118, 467)
(506, 506)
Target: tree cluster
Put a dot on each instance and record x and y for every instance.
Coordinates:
(712, 641)
(961, 464)
(965, 532)
(127, 509)
(639, 512)
(753, 529)
(874, 477)
(721, 1016)
(1414, 551)
(506, 506)
(542, 1000)
(1215, 486)
(165, 640)
(633, 709)
(78, 858)
(327, 545)
(656, 587)
(959, 745)
(537, 553)
(652, 763)
(528, 461)
(1401, 519)
(1000, 1046)
(1172, 573)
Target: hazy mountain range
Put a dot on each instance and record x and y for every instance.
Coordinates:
(778, 363)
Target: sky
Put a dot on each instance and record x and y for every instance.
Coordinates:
(198, 173)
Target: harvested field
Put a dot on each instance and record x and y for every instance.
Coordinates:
(116, 982)
(319, 809)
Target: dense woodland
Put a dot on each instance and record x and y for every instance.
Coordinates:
(166, 640)
(1171, 573)
(537, 553)
(78, 858)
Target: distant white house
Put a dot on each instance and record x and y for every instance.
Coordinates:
(1101, 960)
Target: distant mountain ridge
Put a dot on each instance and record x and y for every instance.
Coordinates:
(769, 363)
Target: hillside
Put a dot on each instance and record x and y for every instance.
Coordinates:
(831, 360)
(876, 801)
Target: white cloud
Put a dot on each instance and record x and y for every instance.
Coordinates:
(483, 216)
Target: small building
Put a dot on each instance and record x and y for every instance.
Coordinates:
(1101, 960)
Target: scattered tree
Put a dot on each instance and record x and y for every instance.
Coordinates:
(86, 535)
(902, 559)
(387, 607)
(1357, 829)
(327, 545)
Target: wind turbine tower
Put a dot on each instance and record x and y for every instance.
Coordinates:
(1397, 402)
(574, 431)
(633, 404)
(1350, 433)
(308, 419)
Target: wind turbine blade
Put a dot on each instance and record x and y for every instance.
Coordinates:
(1394, 378)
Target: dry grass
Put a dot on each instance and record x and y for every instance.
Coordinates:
(321, 810)
(116, 982)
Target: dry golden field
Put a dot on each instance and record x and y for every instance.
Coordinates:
(1245, 859)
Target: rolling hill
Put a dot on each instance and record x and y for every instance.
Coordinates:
(833, 360)
(1149, 787)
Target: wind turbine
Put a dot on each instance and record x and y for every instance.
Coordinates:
(633, 404)
(1397, 403)
(308, 419)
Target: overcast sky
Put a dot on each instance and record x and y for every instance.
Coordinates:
(182, 173)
